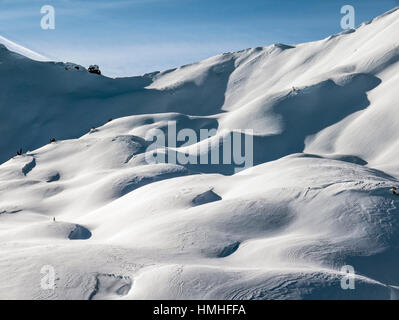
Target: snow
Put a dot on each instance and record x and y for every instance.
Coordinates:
(317, 198)
(14, 47)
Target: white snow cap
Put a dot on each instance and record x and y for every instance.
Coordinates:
(10, 45)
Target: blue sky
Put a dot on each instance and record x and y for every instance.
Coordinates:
(130, 37)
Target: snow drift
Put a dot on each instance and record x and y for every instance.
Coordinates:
(318, 197)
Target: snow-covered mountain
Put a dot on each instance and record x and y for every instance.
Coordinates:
(325, 150)
(16, 48)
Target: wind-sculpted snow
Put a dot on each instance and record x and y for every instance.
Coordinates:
(84, 200)
(16, 48)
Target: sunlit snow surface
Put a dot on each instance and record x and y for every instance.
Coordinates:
(317, 198)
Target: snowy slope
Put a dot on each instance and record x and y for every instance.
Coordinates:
(317, 198)
(14, 47)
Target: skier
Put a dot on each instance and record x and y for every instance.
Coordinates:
(394, 189)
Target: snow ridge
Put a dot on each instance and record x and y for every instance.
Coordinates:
(83, 199)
